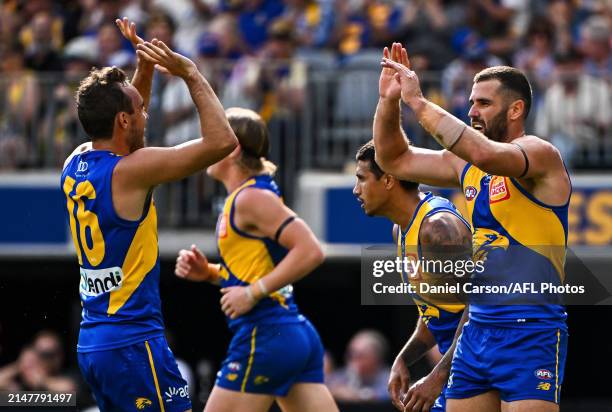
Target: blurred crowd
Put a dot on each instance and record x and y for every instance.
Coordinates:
(265, 54)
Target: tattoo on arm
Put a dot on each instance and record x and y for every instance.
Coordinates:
(443, 236)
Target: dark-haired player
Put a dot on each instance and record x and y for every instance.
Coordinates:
(422, 223)
(108, 184)
(517, 193)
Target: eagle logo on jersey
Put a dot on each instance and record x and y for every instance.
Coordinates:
(486, 240)
(142, 403)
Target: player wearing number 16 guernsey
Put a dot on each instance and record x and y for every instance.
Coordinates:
(108, 185)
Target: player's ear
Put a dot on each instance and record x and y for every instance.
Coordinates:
(123, 120)
(516, 109)
(388, 180)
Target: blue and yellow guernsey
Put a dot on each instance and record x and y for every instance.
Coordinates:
(519, 239)
(246, 258)
(118, 258)
(440, 317)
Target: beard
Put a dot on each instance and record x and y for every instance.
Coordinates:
(135, 139)
(497, 129)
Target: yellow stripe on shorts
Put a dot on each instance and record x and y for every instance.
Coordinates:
(250, 364)
(161, 402)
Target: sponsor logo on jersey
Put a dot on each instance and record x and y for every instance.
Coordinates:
(543, 386)
(95, 282)
(498, 189)
(231, 376)
(173, 392)
(82, 168)
(470, 193)
(142, 403)
(544, 374)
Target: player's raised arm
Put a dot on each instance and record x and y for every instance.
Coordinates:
(150, 166)
(504, 150)
(273, 220)
(143, 75)
(394, 154)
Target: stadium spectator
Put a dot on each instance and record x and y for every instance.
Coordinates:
(254, 18)
(576, 112)
(365, 376)
(39, 367)
(271, 82)
(561, 14)
(366, 23)
(19, 101)
(313, 21)
(219, 48)
(536, 58)
(110, 45)
(44, 39)
(426, 27)
(595, 36)
(501, 22)
(457, 78)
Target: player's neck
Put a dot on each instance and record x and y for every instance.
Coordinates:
(110, 145)
(234, 178)
(515, 131)
(403, 206)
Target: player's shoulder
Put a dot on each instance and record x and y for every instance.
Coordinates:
(255, 196)
(79, 149)
(442, 228)
(531, 141)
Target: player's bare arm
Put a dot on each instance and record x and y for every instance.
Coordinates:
(150, 166)
(529, 158)
(394, 153)
(442, 230)
(262, 213)
(415, 348)
(143, 75)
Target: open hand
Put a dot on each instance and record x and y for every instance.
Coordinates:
(167, 61)
(388, 87)
(128, 29)
(407, 79)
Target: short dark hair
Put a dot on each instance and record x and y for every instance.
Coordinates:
(99, 98)
(367, 153)
(512, 81)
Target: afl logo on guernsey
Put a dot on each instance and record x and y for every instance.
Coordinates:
(470, 193)
(498, 189)
(544, 374)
